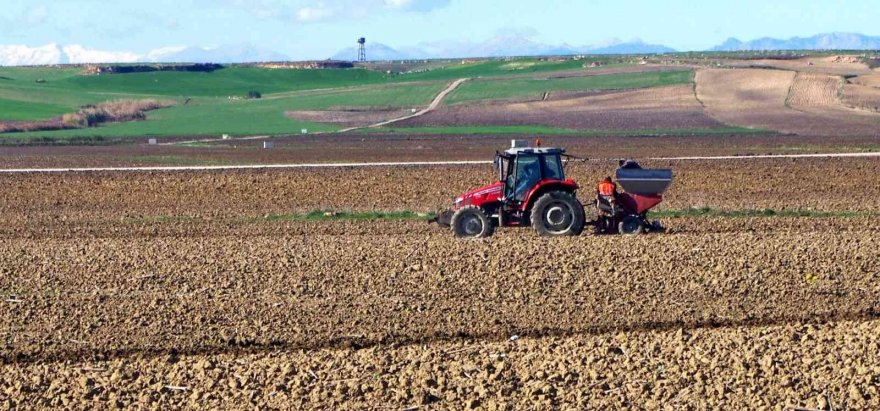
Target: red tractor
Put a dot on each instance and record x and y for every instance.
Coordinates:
(532, 190)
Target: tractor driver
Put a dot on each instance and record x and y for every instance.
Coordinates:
(606, 195)
(529, 176)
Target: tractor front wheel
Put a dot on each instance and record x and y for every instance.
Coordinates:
(472, 221)
(558, 213)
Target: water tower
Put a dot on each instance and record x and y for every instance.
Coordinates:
(362, 49)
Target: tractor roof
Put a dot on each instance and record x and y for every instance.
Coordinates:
(534, 150)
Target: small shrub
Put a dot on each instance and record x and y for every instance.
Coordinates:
(120, 110)
(74, 120)
(254, 95)
(89, 116)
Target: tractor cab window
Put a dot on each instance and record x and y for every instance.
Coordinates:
(528, 173)
(553, 168)
(503, 164)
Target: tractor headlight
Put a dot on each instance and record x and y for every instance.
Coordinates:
(458, 201)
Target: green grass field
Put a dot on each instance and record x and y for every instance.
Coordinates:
(210, 104)
(216, 116)
(497, 68)
(26, 110)
(498, 89)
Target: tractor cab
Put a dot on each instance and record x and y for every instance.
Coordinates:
(521, 169)
(525, 173)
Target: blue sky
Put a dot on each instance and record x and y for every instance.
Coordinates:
(306, 29)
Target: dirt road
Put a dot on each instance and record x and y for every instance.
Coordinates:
(431, 107)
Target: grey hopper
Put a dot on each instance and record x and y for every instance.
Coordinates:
(648, 181)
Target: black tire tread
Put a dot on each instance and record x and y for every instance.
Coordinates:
(488, 226)
(575, 204)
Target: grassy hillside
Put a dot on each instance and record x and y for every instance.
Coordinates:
(497, 68)
(215, 116)
(26, 110)
(496, 89)
(212, 103)
(232, 81)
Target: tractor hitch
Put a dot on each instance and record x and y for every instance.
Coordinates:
(443, 218)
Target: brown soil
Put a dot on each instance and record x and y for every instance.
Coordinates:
(351, 118)
(870, 80)
(820, 94)
(812, 90)
(837, 65)
(391, 147)
(95, 197)
(757, 98)
(165, 290)
(861, 97)
(813, 366)
(654, 108)
(296, 286)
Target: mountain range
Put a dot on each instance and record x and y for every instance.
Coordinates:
(512, 44)
(17, 55)
(826, 41)
(499, 46)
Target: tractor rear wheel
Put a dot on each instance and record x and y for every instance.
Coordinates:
(472, 221)
(631, 225)
(558, 213)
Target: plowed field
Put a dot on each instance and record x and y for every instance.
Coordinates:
(168, 290)
(869, 80)
(862, 97)
(31, 199)
(837, 65)
(653, 108)
(391, 147)
(785, 101)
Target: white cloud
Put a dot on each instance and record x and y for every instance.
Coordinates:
(397, 3)
(19, 55)
(416, 5)
(314, 13)
(162, 53)
(322, 10)
(77, 54)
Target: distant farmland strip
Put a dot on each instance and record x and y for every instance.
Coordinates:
(486, 89)
(539, 129)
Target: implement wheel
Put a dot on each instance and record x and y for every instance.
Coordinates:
(472, 222)
(631, 225)
(558, 213)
